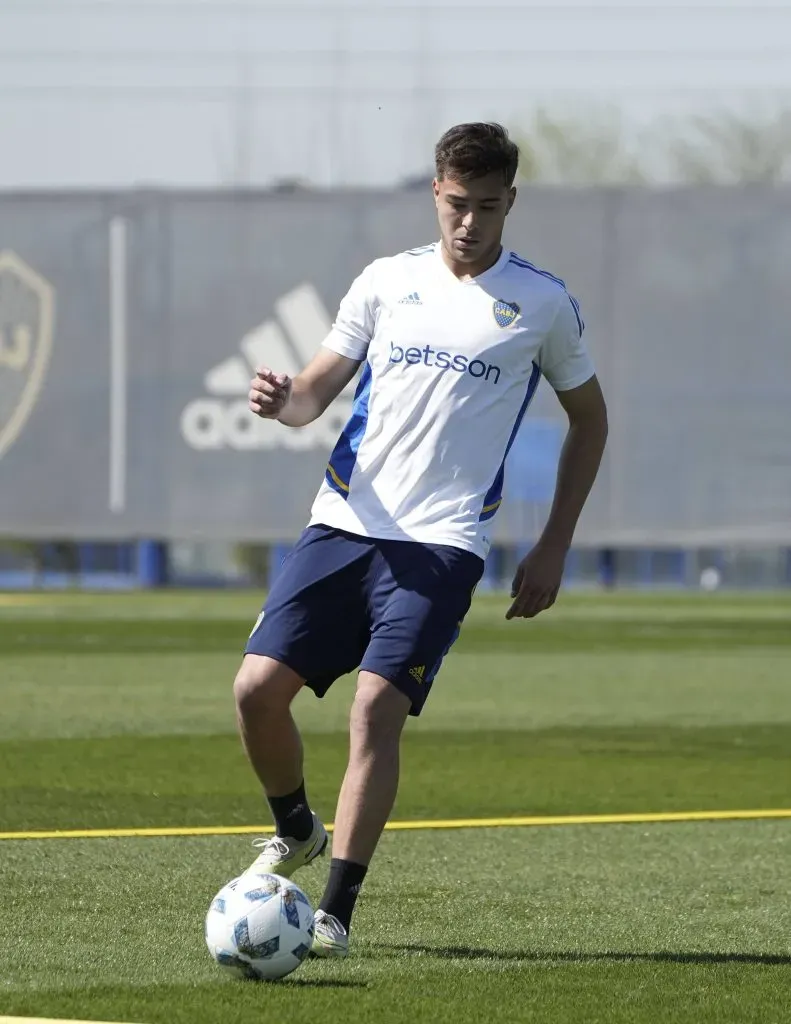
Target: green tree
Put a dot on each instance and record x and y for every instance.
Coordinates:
(732, 149)
(578, 151)
(596, 148)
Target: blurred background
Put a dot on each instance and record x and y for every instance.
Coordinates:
(187, 188)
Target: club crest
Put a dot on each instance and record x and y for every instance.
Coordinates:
(505, 313)
(26, 319)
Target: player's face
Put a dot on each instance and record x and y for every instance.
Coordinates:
(472, 216)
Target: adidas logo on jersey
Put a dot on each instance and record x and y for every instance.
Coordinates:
(418, 672)
(286, 343)
(411, 300)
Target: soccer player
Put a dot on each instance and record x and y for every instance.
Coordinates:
(452, 338)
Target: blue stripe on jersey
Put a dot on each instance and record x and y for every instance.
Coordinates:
(576, 308)
(344, 455)
(521, 261)
(420, 251)
(494, 495)
(525, 265)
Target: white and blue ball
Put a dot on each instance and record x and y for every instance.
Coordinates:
(260, 926)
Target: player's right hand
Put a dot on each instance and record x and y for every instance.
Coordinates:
(269, 393)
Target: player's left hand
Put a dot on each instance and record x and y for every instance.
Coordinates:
(537, 581)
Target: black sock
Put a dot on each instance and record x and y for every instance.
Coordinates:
(293, 817)
(343, 888)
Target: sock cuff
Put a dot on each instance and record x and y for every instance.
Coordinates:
(339, 863)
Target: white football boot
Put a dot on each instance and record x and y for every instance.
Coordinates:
(283, 855)
(330, 938)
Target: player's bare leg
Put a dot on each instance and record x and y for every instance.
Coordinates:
(264, 690)
(366, 799)
(370, 785)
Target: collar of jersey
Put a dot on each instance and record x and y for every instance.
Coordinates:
(495, 269)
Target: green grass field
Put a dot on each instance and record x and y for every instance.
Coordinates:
(117, 713)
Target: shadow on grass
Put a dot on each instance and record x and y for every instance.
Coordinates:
(575, 956)
(320, 983)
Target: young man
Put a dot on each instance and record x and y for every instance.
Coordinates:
(453, 338)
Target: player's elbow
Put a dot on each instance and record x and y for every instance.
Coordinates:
(599, 420)
(595, 425)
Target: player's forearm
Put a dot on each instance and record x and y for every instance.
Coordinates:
(305, 404)
(317, 387)
(579, 463)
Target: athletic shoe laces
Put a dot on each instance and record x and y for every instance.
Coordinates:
(331, 925)
(275, 846)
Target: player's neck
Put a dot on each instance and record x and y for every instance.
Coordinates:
(468, 271)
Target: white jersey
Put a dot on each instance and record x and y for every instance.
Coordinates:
(450, 369)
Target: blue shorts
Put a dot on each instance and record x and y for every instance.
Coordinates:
(342, 601)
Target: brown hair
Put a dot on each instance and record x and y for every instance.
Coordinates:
(469, 151)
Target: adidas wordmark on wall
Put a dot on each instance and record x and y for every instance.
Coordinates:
(285, 343)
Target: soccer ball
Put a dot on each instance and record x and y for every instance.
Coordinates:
(259, 926)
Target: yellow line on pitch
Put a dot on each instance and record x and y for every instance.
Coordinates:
(47, 1020)
(20, 601)
(416, 826)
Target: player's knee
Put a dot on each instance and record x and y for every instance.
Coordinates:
(378, 712)
(263, 685)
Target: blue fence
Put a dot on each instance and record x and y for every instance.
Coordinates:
(149, 564)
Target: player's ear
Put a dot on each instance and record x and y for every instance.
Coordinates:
(435, 189)
(511, 200)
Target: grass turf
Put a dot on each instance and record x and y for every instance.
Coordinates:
(647, 923)
(117, 712)
(177, 780)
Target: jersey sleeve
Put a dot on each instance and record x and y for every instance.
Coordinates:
(354, 325)
(564, 359)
